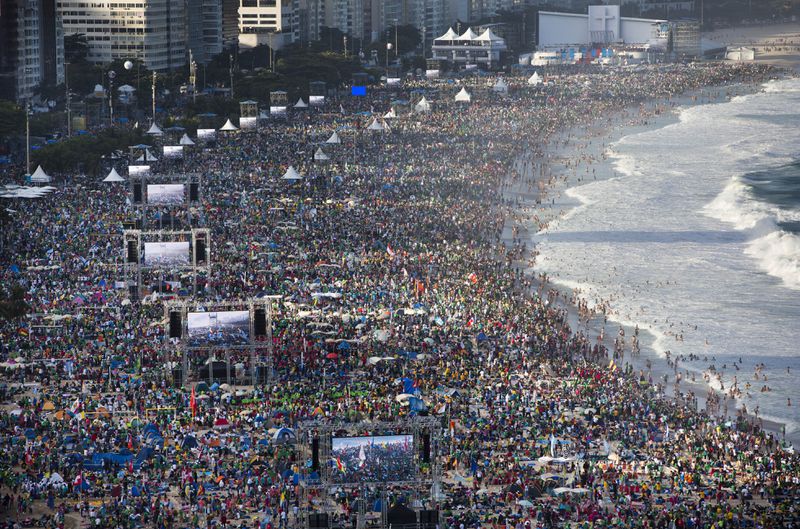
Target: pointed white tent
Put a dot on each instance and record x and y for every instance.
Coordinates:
(113, 176)
(450, 36)
(291, 174)
(334, 138)
(389, 115)
(422, 106)
(186, 140)
(488, 36)
(463, 96)
(228, 126)
(301, 104)
(375, 125)
(467, 36)
(320, 155)
(500, 86)
(155, 130)
(40, 177)
(147, 157)
(535, 79)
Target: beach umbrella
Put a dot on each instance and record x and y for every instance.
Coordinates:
(331, 356)
(48, 406)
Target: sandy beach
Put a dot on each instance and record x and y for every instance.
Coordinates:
(777, 44)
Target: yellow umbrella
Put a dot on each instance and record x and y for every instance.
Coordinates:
(49, 406)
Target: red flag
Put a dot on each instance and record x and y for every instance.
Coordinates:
(193, 403)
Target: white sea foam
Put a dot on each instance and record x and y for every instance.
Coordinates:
(677, 239)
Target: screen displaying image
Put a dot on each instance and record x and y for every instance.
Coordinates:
(224, 328)
(173, 151)
(248, 123)
(167, 253)
(372, 459)
(277, 111)
(138, 170)
(165, 194)
(316, 100)
(206, 134)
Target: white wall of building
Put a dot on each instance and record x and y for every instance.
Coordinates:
(557, 29)
(637, 30)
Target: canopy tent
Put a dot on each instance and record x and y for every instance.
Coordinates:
(147, 157)
(423, 105)
(155, 130)
(463, 96)
(535, 79)
(14, 191)
(450, 36)
(320, 155)
(40, 177)
(126, 89)
(228, 126)
(376, 126)
(501, 87)
(291, 174)
(389, 115)
(113, 176)
(334, 138)
(489, 36)
(468, 35)
(186, 140)
(301, 104)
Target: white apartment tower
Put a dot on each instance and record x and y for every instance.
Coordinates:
(272, 22)
(153, 31)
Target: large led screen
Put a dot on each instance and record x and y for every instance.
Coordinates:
(165, 194)
(316, 101)
(248, 123)
(206, 134)
(166, 253)
(173, 151)
(224, 328)
(138, 170)
(372, 459)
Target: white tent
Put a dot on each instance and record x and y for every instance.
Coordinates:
(422, 106)
(389, 115)
(535, 79)
(155, 130)
(488, 36)
(147, 157)
(449, 36)
(740, 54)
(291, 174)
(334, 138)
(228, 126)
(40, 177)
(500, 86)
(320, 155)
(186, 140)
(14, 191)
(467, 36)
(301, 104)
(126, 89)
(463, 96)
(375, 125)
(113, 176)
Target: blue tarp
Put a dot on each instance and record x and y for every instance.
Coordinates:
(189, 442)
(95, 461)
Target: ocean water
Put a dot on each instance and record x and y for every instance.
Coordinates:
(696, 239)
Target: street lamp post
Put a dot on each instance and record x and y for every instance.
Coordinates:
(154, 96)
(28, 138)
(388, 48)
(69, 101)
(111, 75)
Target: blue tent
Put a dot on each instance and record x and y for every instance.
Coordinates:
(189, 442)
(416, 404)
(343, 346)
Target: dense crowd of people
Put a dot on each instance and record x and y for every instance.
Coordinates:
(393, 272)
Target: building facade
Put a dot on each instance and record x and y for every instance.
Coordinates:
(153, 31)
(272, 22)
(31, 47)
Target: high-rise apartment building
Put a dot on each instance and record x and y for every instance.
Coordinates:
(153, 31)
(211, 27)
(31, 47)
(272, 22)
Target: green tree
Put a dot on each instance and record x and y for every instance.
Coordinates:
(12, 303)
(12, 119)
(76, 48)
